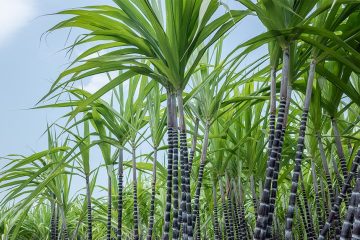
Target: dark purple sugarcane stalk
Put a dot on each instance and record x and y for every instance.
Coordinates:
(299, 153)
(349, 218)
(171, 108)
(340, 197)
(261, 223)
(152, 201)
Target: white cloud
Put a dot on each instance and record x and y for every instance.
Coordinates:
(14, 14)
(96, 82)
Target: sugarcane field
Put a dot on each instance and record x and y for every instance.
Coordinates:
(180, 119)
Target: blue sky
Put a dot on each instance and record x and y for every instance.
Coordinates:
(29, 65)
